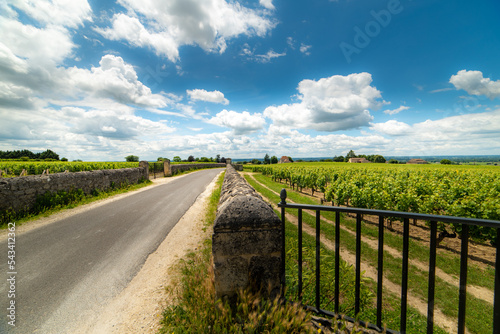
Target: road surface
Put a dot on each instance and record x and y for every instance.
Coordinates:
(67, 270)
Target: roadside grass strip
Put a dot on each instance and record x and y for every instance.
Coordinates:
(479, 312)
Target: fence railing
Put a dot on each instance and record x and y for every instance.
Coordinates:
(405, 217)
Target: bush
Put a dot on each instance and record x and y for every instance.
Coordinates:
(132, 158)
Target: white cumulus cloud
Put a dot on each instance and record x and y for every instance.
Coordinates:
(397, 110)
(203, 95)
(330, 104)
(164, 26)
(267, 3)
(44, 46)
(241, 123)
(474, 83)
(63, 13)
(392, 128)
(477, 132)
(305, 49)
(271, 54)
(113, 79)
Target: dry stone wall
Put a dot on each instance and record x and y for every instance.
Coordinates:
(181, 168)
(246, 243)
(20, 193)
(171, 169)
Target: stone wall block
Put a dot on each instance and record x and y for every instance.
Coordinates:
(246, 242)
(264, 273)
(231, 274)
(247, 232)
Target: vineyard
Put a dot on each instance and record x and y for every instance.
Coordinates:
(15, 168)
(12, 168)
(455, 191)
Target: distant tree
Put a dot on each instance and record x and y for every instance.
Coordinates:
(204, 159)
(132, 158)
(290, 158)
(191, 158)
(223, 160)
(445, 162)
(64, 159)
(378, 159)
(18, 154)
(350, 155)
(161, 159)
(274, 159)
(256, 161)
(393, 161)
(217, 158)
(338, 159)
(267, 161)
(177, 158)
(49, 155)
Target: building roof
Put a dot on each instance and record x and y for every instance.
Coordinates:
(284, 159)
(417, 161)
(359, 160)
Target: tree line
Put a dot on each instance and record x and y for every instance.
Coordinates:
(191, 158)
(27, 154)
(376, 158)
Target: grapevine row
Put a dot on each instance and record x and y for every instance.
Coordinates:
(10, 169)
(461, 193)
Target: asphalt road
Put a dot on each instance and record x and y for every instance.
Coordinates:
(68, 269)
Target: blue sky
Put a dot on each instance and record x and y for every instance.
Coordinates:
(99, 80)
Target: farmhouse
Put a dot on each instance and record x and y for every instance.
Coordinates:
(359, 160)
(417, 162)
(284, 160)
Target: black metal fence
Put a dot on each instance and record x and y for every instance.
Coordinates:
(405, 217)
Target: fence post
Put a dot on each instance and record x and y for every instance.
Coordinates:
(145, 165)
(166, 168)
